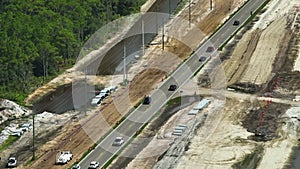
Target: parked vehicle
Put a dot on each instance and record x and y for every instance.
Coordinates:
(63, 157)
(12, 162)
(18, 134)
(95, 101)
(112, 88)
(118, 141)
(94, 165)
(67, 154)
(147, 100)
(105, 91)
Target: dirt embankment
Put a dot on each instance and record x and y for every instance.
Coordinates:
(252, 61)
(263, 57)
(80, 137)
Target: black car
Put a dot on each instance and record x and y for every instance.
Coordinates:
(147, 100)
(202, 59)
(236, 23)
(172, 88)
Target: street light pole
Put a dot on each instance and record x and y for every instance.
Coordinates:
(143, 37)
(163, 35)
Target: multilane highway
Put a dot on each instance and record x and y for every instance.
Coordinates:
(105, 151)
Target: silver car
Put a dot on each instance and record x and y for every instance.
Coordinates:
(118, 141)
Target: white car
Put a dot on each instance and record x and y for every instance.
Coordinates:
(64, 157)
(94, 164)
(67, 154)
(95, 101)
(12, 162)
(118, 141)
(76, 166)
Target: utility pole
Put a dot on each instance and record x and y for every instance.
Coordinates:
(124, 59)
(33, 134)
(163, 35)
(170, 8)
(156, 19)
(85, 91)
(190, 18)
(143, 37)
(107, 14)
(211, 7)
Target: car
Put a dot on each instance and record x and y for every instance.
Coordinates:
(76, 166)
(236, 23)
(202, 59)
(101, 96)
(112, 88)
(67, 154)
(12, 162)
(96, 101)
(94, 164)
(172, 87)
(147, 100)
(210, 49)
(63, 157)
(105, 91)
(18, 134)
(118, 141)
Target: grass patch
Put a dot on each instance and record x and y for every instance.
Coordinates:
(180, 7)
(174, 101)
(8, 142)
(31, 161)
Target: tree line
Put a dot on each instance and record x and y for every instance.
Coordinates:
(41, 38)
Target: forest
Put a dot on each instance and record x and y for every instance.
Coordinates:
(42, 38)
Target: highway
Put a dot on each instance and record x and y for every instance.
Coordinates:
(105, 151)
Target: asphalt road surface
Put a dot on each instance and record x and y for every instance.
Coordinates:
(105, 151)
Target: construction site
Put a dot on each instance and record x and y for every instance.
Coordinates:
(246, 123)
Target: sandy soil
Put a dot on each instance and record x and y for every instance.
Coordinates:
(260, 66)
(235, 68)
(253, 58)
(225, 146)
